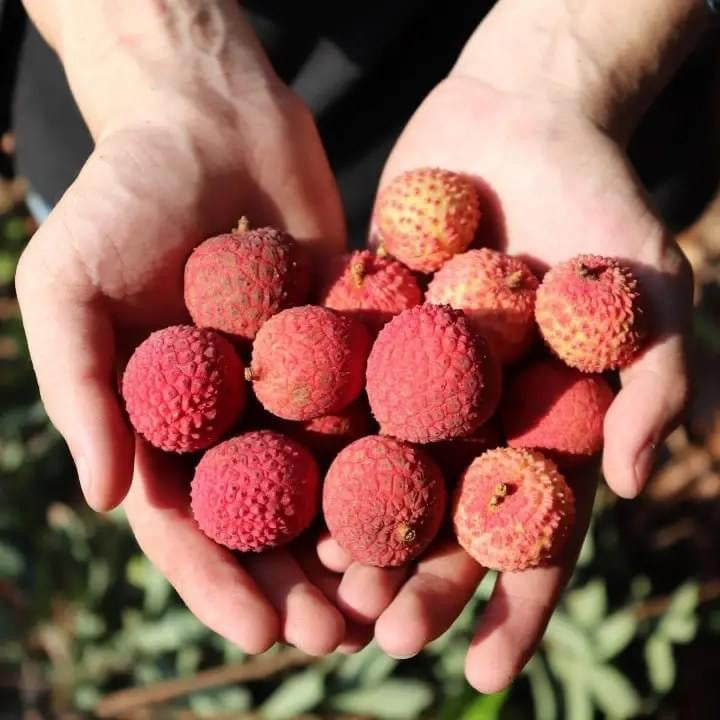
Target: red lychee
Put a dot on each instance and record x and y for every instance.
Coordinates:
(426, 216)
(256, 491)
(513, 510)
(308, 361)
(589, 312)
(496, 293)
(236, 281)
(431, 376)
(383, 501)
(370, 288)
(558, 410)
(184, 388)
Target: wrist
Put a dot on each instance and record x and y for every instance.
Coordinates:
(606, 60)
(130, 59)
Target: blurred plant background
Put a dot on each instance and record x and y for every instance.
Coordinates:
(89, 629)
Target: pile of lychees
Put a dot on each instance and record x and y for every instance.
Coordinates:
(388, 393)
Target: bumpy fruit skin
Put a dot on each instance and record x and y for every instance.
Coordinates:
(454, 456)
(309, 361)
(557, 410)
(589, 312)
(236, 281)
(426, 216)
(184, 388)
(497, 294)
(255, 491)
(431, 377)
(383, 501)
(371, 288)
(513, 510)
(327, 435)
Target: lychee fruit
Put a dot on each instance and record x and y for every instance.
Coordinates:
(370, 288)
(513, 510)
(431, 376)
(326, 435)
(184, 388)
(383, 501)
(255, 491)
(425, 216)
(589, 312)
(454, 456)
(236, 281)
(496, 293)
(558, 410)
(308, 361)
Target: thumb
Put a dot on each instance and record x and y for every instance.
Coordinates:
(72, 348)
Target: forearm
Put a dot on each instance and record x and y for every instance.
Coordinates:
(609, 56)
(121, 55)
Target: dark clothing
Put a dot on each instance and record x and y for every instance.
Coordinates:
(362, 68)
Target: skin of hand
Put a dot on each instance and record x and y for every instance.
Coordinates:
(556, 183)
(179, 161)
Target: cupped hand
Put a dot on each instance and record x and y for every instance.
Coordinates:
(554, 186)
(106, 268)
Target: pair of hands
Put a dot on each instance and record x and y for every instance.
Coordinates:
(106, 268)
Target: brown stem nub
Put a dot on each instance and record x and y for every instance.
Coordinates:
(357, 272)
(501, 490)
(249, 374)
(380, 250)
(243, 225)
(587, 272)
(405, 533)
(514, 280)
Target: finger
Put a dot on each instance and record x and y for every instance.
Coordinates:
(520, 607)
(308, 620)
(429, 602)
(207, 577)
(655, 386)
(72, 348)
(366, 591)
(357, 636)
(650, 403)
(331, 555)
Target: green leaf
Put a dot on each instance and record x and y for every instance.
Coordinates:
(614, 634)
(660, 663)
(587, 551)
(677, 628)
(578, 703)
(542, 690)
(393, 699)
(370, 665)
(296, 695)
(684, 600)
(562, 634)
(11, 561)
(587, 605)
(485, 707)
(613, 692)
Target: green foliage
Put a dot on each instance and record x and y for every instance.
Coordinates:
(82, 607)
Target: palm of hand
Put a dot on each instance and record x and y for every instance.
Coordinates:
(104, 271)
(555, 186)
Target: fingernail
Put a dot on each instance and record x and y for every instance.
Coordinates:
(84, 477)
(398, 656)
(643, 465)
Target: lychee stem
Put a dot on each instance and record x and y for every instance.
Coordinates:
(357, 272)
(514, 280)
(587, 272)
(380, 251)
(243, 225)
(405, 533)
(499, 493)
(249, 374)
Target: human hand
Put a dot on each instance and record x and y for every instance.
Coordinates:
(556, 184)
(178, 162)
